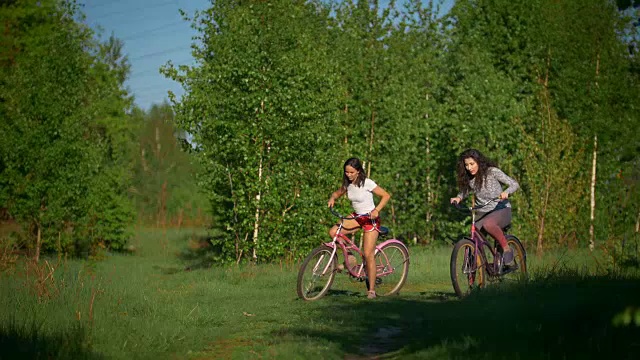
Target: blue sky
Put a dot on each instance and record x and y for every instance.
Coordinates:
(153, 33)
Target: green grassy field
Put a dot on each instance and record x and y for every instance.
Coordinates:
(166, 301)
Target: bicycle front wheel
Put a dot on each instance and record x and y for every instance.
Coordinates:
(467, 270)
(392, 268)
(316, 273)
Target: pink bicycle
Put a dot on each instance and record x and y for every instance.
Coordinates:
(319, 268)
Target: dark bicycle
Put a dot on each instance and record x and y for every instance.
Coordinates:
(475, 262)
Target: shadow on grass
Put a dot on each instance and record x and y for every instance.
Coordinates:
(567, 317)
(200, 251)
(29, 342)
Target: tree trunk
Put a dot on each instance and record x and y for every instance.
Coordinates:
(429, 214)
(158, 146)
(256, 225)
(143, 161)
(547, 185)
(346, 115)
(162, 206)
(38, 242)
(593, 193)
(543, 214)
(373, 120)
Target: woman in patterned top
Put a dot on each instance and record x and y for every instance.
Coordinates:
(360, 190)
(477, 174)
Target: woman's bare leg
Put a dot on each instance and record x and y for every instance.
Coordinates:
(369, 246)
(349, 227)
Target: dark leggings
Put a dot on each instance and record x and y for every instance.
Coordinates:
(494, 222)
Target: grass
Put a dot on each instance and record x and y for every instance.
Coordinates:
(166, 301)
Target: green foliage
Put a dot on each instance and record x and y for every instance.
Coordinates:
(260, 112)
(554, 183)
(284, 91)
(164, 187)
(630, 316)
(62, 132)
(575, 51)
(405, 91)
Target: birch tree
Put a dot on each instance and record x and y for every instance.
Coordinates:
(261, 106)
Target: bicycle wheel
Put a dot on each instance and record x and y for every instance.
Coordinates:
(517, 271)
(465, 274)
(392, 268)
(316, 274)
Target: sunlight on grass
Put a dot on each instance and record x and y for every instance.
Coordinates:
(166, 299)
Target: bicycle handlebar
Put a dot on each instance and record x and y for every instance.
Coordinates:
(460, 207)
(340, 216)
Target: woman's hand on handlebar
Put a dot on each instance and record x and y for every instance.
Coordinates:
(504, 195)
(456, 200)
(331, 202)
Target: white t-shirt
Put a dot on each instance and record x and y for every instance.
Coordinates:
(362, 197)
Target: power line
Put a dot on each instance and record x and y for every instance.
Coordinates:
(139, 8)
(105, 3)
(157, 88)
(164, 52)
(142, 33)
(156, 71)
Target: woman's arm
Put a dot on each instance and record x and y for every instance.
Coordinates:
(458, 199)
(335, 195)
(384, 198)
(512, 184)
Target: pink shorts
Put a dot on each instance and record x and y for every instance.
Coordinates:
(367, 223)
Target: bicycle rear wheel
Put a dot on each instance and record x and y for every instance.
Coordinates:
(316, 274)
(392, 268)
(517, 271)
(467, 270)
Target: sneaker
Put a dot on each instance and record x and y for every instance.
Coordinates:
(507, 258)
(371, 294)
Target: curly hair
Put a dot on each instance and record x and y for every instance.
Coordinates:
(356, 164)
(464, 177)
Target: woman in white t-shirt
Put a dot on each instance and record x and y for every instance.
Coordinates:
(360, 190)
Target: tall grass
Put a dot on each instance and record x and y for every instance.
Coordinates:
(166, 300)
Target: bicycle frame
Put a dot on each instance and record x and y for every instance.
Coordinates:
(344, 243)
(479, 242)
(391, 259)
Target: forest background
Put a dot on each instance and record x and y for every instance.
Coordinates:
(284, 91)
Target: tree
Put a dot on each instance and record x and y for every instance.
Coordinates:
(576, 51)
(261, 106)
(61, 128)
(164, 182)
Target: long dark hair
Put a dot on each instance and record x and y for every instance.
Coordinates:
(463, 175)
(356, 164)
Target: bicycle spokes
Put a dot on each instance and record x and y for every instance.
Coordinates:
(316, 274)
(392, 266)
(467, 269)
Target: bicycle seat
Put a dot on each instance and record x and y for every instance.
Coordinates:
(506, 228)
(383, 230)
